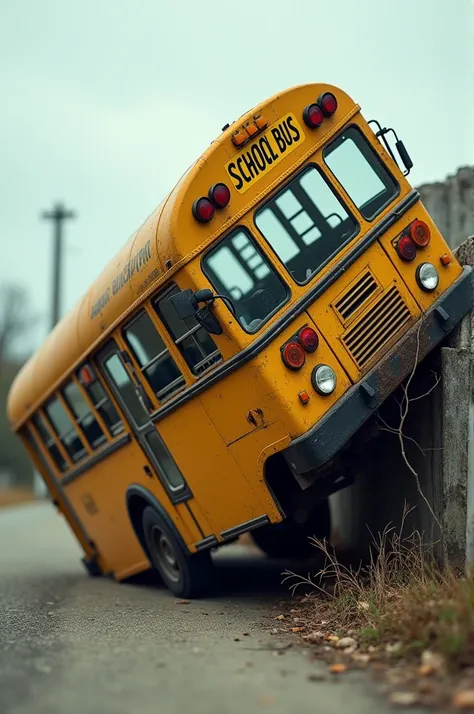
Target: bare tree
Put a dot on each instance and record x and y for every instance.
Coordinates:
(15, 317)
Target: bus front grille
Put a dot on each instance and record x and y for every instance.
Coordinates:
(377, 327)
(356, 296)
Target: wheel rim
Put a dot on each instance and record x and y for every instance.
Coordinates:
(165, 555)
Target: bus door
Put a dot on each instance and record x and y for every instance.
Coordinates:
(133, 401)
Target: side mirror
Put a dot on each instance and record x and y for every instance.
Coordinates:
(185, 304)
(207, 320)
(404, 155)
(204, 295)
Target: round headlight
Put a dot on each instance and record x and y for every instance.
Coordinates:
(427, 277)
(323, 379)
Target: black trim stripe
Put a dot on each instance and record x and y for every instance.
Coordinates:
(194, 518)
(297, 309)
(245, 527)
(207, 543)
(96, 458)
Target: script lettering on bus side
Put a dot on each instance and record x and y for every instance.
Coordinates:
(99, 304)
(131, 267)
(259, 157)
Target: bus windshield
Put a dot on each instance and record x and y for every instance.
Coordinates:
(360, 172)
(306, 224)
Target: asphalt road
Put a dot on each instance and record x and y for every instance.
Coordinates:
(71, 644)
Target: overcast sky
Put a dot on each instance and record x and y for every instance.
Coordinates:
(105, 103)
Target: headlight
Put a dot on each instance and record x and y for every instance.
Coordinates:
(323, 379)
(427, 277)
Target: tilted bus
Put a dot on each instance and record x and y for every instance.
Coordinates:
(211, 380)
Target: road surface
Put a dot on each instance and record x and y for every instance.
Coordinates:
(71, 644)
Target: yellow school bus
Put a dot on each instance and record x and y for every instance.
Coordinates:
(211, 381)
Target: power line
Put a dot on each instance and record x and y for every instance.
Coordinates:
(58, 215)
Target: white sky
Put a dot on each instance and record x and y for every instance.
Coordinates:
(105, 103)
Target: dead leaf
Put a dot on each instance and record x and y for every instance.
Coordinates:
(332, 638)
(464, 700)
(361, 657)
(297, 629)
(337, 668)
(347, 642)
(403, 699)
(280, 617)
(425, 670)
(183, 602)
(314, 637)
(434, 660)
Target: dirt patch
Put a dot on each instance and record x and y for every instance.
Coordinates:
(399, 615)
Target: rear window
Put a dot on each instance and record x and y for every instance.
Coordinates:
(361, 173)
(305, 224)
(238, 269)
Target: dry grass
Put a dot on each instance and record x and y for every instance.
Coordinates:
(14, 496)
(398, 597)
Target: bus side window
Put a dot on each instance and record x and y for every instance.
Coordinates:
(65, 429)
(84, 415)
(101, 402)
(48, 441)
(193, 341)
(156, 363)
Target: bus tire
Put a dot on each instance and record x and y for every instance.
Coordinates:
(186, 575)
(290, 540)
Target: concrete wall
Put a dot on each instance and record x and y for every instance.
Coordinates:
(451, 205)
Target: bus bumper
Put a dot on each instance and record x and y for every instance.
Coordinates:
(324, 440)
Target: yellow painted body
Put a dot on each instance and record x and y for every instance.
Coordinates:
(218, 449)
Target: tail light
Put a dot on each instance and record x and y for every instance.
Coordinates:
(406, 248)
(313, 116)
(328, 104)
(420, 233)
(293, 355)
(309, 339)
(219, 195)
(203, 210)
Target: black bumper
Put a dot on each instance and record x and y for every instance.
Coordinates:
(318, 445)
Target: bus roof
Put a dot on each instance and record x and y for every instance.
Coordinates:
(166, 241)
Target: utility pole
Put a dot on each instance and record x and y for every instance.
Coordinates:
(58, 215)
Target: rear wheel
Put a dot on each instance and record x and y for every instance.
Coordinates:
(185, 574)
(290, 540)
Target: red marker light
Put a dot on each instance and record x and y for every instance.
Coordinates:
(328, 103)
(406, 248)
(203, 210)
(86, 376)
(309, 339)
(313, 116)
(293, 355)
(303, 397)
(420, 233)
(219, 194)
